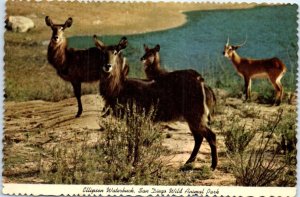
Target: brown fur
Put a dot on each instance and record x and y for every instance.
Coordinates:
(73, 65)
(175, 95)
(273, 69)
(153, 70)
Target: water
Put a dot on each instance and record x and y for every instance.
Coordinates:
(199, 43)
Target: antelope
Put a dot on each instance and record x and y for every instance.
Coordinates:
(247, 68)
(73, 65)
(175, 95)
(153, 70)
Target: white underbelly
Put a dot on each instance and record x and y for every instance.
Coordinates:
(260, 75)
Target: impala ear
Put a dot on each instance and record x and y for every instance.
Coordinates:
(68, 23)
(157, 48)
(48, 21)
(98, 43)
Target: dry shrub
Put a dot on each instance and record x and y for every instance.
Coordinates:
(254, 158)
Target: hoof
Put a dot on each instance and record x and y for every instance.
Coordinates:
(78, 114)
(213, 167)
(276, 103)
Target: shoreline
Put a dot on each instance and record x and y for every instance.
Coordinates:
(181, 19)
(113, 18)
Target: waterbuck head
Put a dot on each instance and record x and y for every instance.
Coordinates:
(230, 49)
(151, 56)
(58, 29)
(114, 66)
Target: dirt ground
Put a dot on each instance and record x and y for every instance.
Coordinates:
(35, 127)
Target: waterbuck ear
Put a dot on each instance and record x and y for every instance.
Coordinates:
(157, 48)
(68, 23)
(48, 21)
(98, 43)
(146, 48)
(123, 43)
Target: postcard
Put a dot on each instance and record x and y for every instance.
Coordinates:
(150, 98)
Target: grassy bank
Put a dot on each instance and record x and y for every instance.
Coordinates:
(28, 76)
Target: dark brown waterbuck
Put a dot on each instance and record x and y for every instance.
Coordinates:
(273, 69)
(153, 70)
(175, 95)
(73, 65)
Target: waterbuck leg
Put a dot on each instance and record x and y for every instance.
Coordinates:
(211, 138)
(198, 140)
(77, 92)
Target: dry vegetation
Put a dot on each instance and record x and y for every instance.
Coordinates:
(43, 143)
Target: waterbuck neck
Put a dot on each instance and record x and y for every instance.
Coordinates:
(111, 86)
(57, 53)
(154, 70)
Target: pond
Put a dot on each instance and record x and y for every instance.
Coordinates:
(198, 44)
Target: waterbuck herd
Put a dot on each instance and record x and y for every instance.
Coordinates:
(177, 94)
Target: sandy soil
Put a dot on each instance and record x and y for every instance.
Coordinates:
(35, 127)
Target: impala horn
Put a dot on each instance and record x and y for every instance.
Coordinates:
(243, 42)
(227, 41)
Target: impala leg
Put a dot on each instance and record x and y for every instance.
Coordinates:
(281, 90)
(247, 81)
(77, 92)
(249, 88)
(278, 91)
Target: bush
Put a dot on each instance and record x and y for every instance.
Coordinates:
(237, 136)
(128, 152)
(255, 161)
(132, 149)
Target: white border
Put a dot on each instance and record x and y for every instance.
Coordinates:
(133, 190)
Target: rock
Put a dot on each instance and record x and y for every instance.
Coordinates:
(97, 22)
(18, 23)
